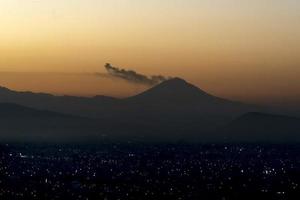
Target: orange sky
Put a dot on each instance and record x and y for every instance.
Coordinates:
(239, 49)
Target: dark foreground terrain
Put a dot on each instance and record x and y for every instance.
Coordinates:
(149, 171)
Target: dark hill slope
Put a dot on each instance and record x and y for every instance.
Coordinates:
(264, 127)
(28, 124)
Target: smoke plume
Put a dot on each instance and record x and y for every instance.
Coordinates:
(133, 76)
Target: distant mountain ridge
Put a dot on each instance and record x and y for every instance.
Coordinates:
(81, 106)
(174, 92)
(171, 110)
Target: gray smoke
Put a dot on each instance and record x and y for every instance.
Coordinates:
(133, 76)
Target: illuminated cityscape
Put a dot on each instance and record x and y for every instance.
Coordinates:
(149, 171)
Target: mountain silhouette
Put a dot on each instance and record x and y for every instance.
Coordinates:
(81, 106)
(176, 98)
(173, 91)
(171, 110)
(171, 95)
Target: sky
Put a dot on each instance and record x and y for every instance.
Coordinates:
(238, 49)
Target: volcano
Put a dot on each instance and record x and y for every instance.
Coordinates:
(171, 110)
(174, 91)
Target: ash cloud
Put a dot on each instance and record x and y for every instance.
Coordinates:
(134, 77)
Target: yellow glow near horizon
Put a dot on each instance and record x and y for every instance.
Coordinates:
(235, 40)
